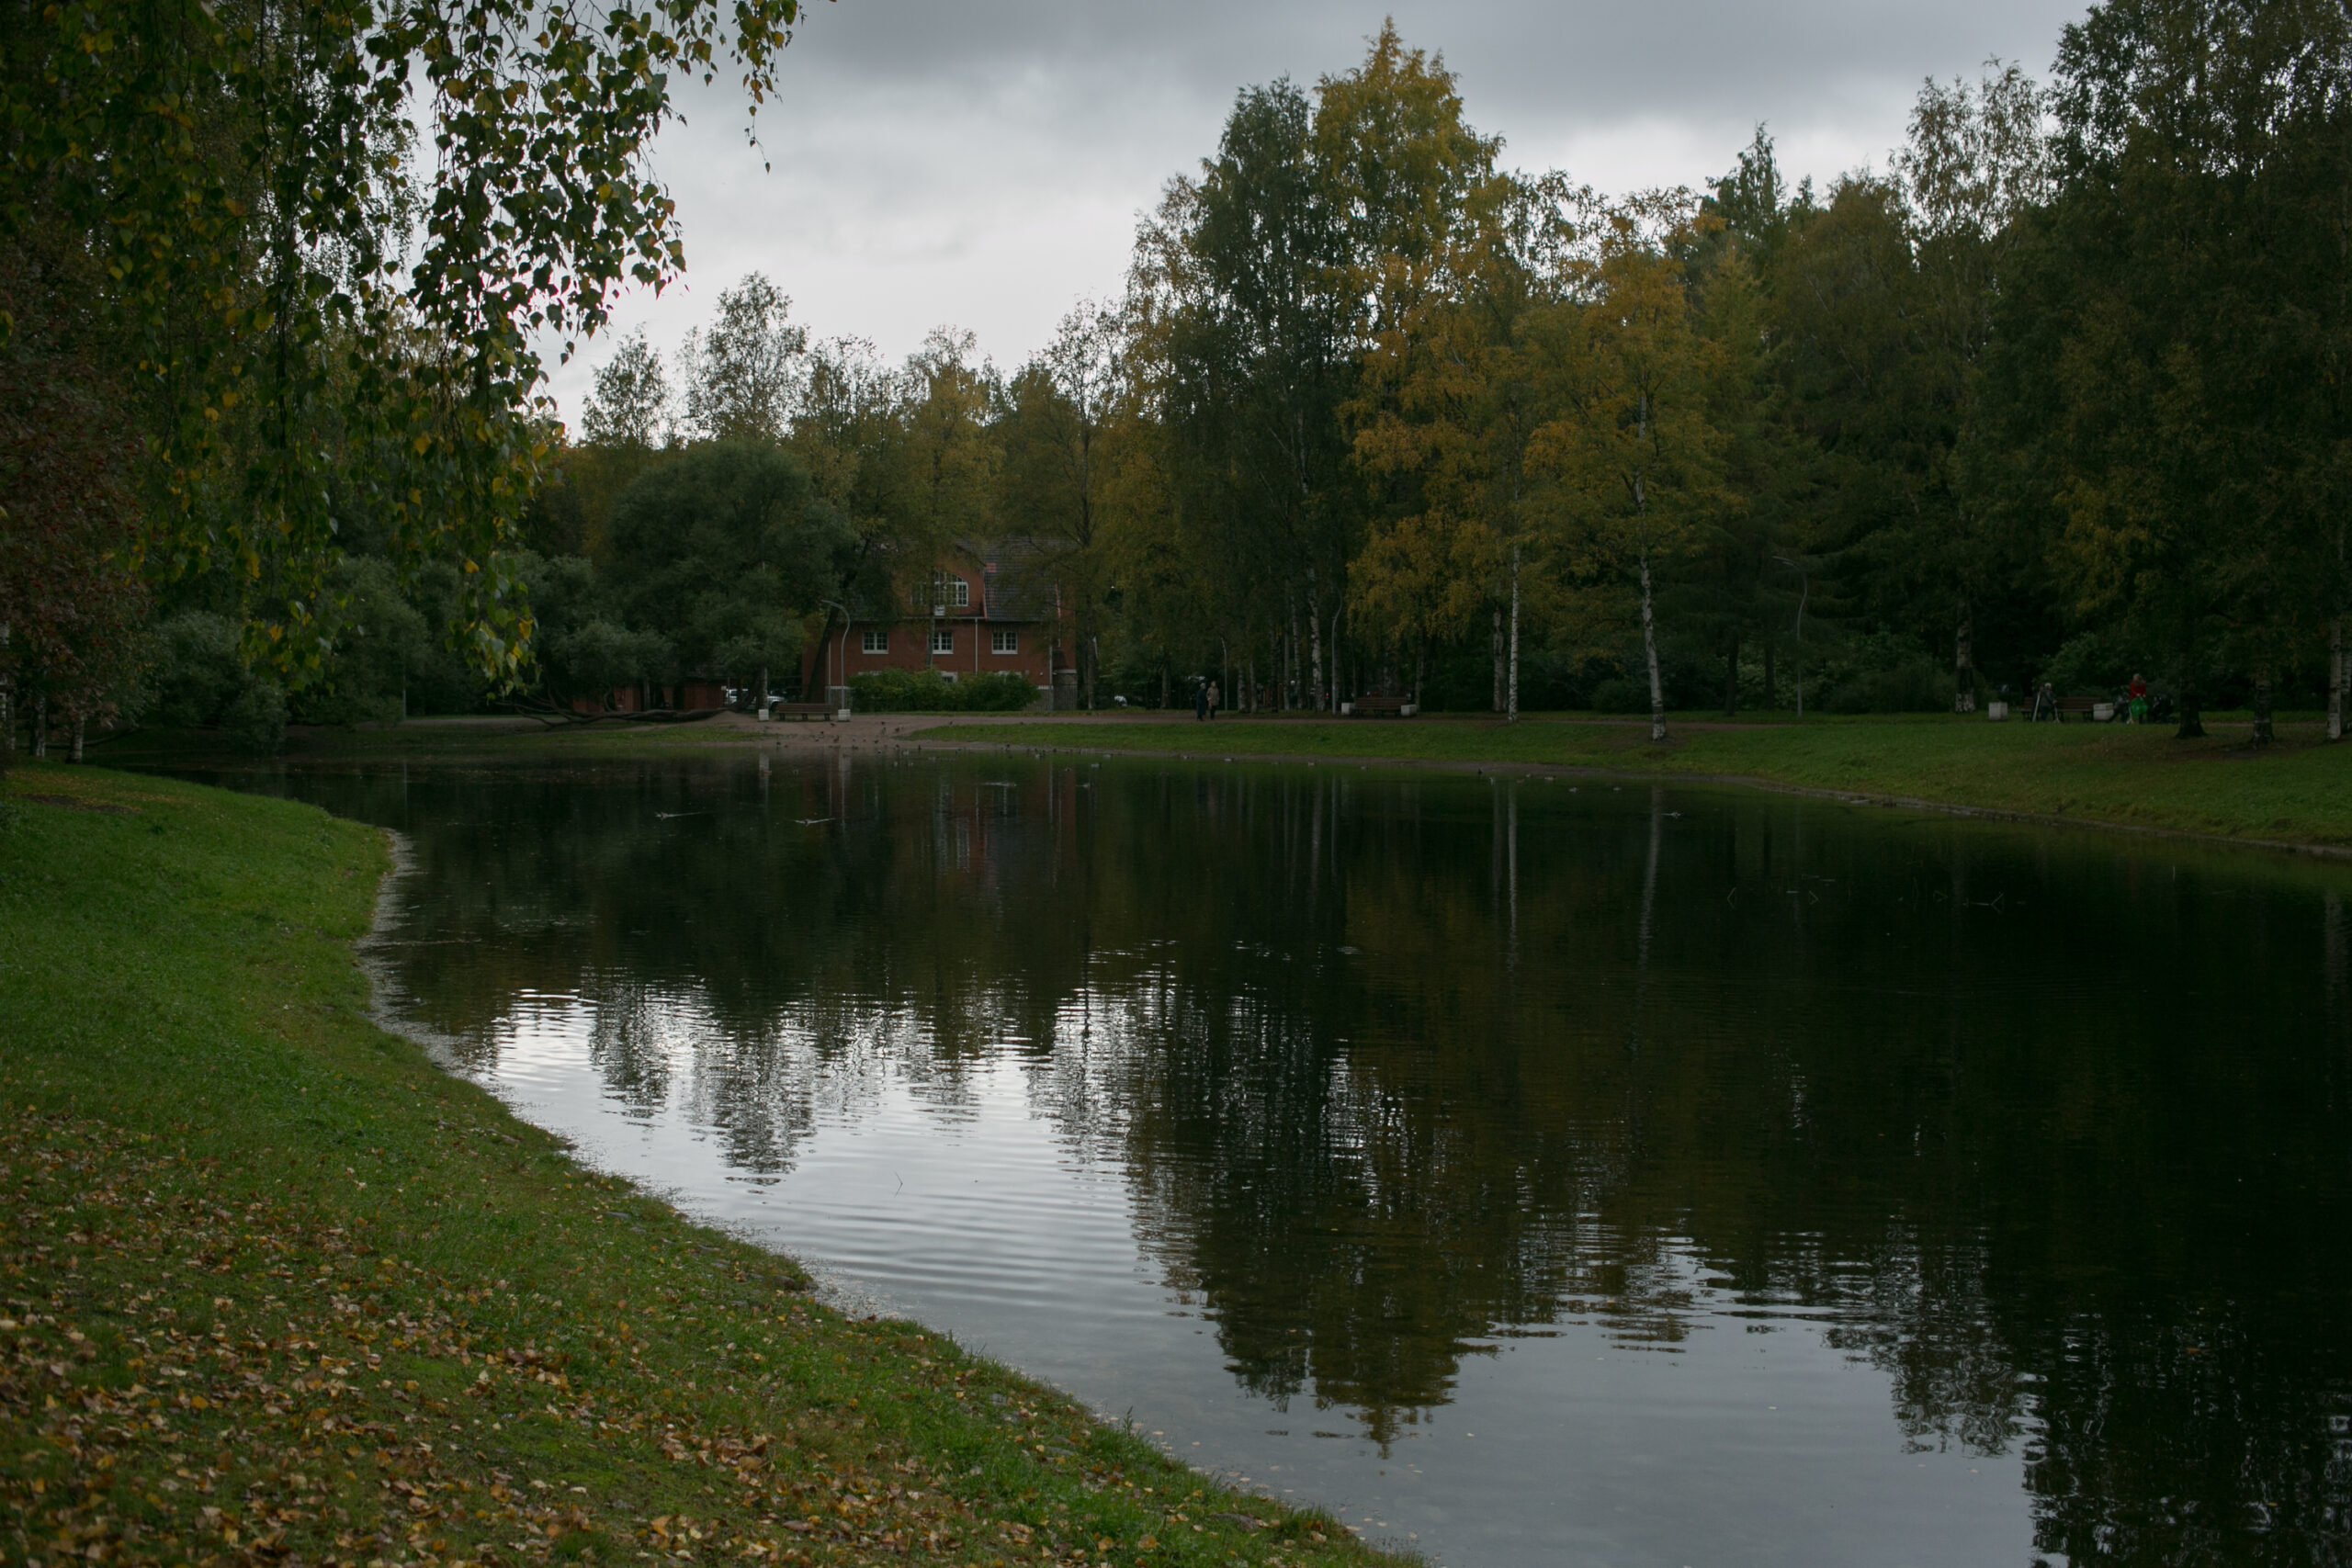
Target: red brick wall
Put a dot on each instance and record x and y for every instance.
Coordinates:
(909, 642)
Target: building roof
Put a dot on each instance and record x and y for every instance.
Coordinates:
(1018, 577)
(1013, 580)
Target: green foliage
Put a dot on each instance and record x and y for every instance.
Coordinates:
(1915, 686)
(743, 372)
(723, 551)
(201, 679)
(2088, 665)
(927, 691)
(2167, 394)
(313, 325)
(374, 638)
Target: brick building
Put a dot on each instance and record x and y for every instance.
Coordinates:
(992, 609)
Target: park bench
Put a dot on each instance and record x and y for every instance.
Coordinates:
(2076, 708)
(801, 710)
(1374, 703)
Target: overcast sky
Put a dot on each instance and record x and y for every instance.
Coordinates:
(940, 162)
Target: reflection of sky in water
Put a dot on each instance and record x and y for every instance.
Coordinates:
(971, 1200)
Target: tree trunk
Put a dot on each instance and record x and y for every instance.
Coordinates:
(40, 725)
(1334, 654)
(1963, 669)
(76, 755)
(760, 701)
(1771, 697)
(1731, 679)
(1649, 652)
(1290, 686)
(1315, 649)
(1512, 715)
(2263, 732)
(2192, 722)
(1494, 650)
(2336, 673)
(1086, 650)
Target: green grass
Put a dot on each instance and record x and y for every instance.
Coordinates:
(272, 1286)
(2298, 790)
(428, 738)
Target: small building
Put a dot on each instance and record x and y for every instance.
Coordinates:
(992, 609)
(695, 694)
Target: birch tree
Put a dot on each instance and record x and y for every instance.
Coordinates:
(746, 371)
(1632, 447)
(1454, 395)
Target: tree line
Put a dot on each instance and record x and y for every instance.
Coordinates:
(2056, 395)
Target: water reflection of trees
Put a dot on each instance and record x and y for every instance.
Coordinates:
(2054, 1132)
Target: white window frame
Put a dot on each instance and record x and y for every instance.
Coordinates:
(875, 640)
(959, 593)
(942, 639)
(1003, 641)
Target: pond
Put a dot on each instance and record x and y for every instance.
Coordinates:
(1531, 1172)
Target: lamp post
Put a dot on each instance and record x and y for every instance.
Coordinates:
(840, 661)
(1804, 587)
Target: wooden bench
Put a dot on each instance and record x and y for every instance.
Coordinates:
(1372, 705)
(2076, 708)
(801, 710)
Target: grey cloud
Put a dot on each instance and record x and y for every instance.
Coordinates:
(1519, 58)
(936, 160)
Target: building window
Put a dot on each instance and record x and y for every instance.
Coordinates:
(959, 593)
(1005, 642)
(874, 642)
(942, 639)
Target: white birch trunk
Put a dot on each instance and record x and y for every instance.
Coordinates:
(1964, 669)
(1649, 652)
(2337, 673)
(1315, 649)
(1495, 658)
(1512, 711)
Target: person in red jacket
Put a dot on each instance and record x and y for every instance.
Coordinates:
(2139, 700)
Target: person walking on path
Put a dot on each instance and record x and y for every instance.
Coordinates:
(1215, 696)
(1200, 701)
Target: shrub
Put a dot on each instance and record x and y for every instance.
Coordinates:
(1621, 695)
(257, 719)
(1915, 686)
(927, 691)
(201, 680)
(2088, 665)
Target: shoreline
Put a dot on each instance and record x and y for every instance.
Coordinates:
(299, 1289)
(1735, 780)
(2296, 799)
(1655, 764)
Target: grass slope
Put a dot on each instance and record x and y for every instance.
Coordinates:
(2298, 790)
(274, 1288)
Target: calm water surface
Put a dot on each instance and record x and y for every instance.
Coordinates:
(1531, 1174)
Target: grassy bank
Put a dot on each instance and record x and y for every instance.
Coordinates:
(2298, 790)
(277, 1289)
